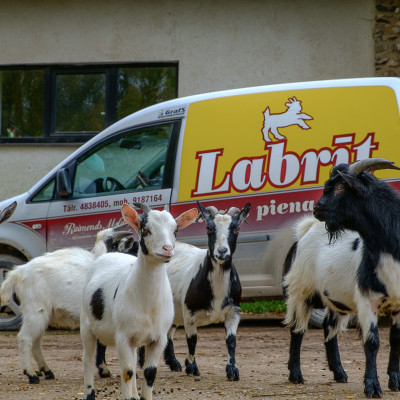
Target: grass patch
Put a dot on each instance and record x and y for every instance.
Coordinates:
(277, 307)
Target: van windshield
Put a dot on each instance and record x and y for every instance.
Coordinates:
(133, 160)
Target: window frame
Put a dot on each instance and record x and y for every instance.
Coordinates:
(169, 171)
(50, 136)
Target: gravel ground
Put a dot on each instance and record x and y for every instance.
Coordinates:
(262, 353)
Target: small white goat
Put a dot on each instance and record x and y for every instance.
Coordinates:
(206, 287)
(128, 301)
(49, 289)
(292, 116)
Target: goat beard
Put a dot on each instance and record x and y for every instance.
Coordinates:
(225, 263)
(334, 233)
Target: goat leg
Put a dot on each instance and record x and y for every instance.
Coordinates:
(232, 371)
(38, 356)
(331, 347)
(153, 354)
(231, 324)
(169, 353)
(101, 364)
(372, 388)
(393, 366)
(295, 375)
(190, 362)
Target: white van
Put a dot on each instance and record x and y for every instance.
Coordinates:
(272, 146)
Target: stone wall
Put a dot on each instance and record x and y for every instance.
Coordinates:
(387, 38)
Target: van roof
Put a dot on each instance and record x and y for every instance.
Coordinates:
(142, 116)
(152, 113)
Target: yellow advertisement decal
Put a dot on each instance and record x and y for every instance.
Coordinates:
(281, 140)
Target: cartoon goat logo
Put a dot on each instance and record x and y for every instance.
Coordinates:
(292, 116)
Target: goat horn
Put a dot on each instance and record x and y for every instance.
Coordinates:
(144, 207)
(212, 210)
(120, 227)
(233, 211)
(120, 235)
(370, 164)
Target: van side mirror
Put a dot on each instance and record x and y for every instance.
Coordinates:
(64, 188)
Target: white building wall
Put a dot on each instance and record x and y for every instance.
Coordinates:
(218, 44)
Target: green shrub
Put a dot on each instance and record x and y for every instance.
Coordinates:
(264, 307)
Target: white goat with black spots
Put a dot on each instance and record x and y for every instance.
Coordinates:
(128, 301)
(49, 289)
(359, 272)
(206, 287)
(321, 275)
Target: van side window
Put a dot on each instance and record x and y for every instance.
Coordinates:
(45, 194)
(131, 161)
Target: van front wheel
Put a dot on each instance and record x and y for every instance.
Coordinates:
(10, 312)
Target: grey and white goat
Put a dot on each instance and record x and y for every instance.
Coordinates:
(49, 289)
(206, 286)
(128, 300)
(352, 268)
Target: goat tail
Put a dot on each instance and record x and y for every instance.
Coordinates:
(297, 315)
(303, 225)
(9, 285)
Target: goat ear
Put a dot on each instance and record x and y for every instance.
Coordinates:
(354, 184)
(186, 218)
(131, 217)
(244, 213)
(206, 214)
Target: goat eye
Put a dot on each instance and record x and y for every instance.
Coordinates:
(339, 188)
(145, 232)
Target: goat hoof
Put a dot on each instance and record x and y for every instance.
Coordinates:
(191, 368)
(104, 373)
(232, 372)
(394, 381)
(372, 388)
(296, 378)
(340, 377)
(174, 365)
(91, 395)
(341, 380)
(47, 374)
(34, 379)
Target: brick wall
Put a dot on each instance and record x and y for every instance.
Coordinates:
(387, 38)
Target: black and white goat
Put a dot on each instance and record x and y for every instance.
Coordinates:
(352, 268)
(49, 289)
(206, 287)
(128, 301)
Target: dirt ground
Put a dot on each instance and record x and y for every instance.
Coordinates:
(262, 353)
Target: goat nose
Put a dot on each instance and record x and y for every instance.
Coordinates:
(168, 250)
(223, 250)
